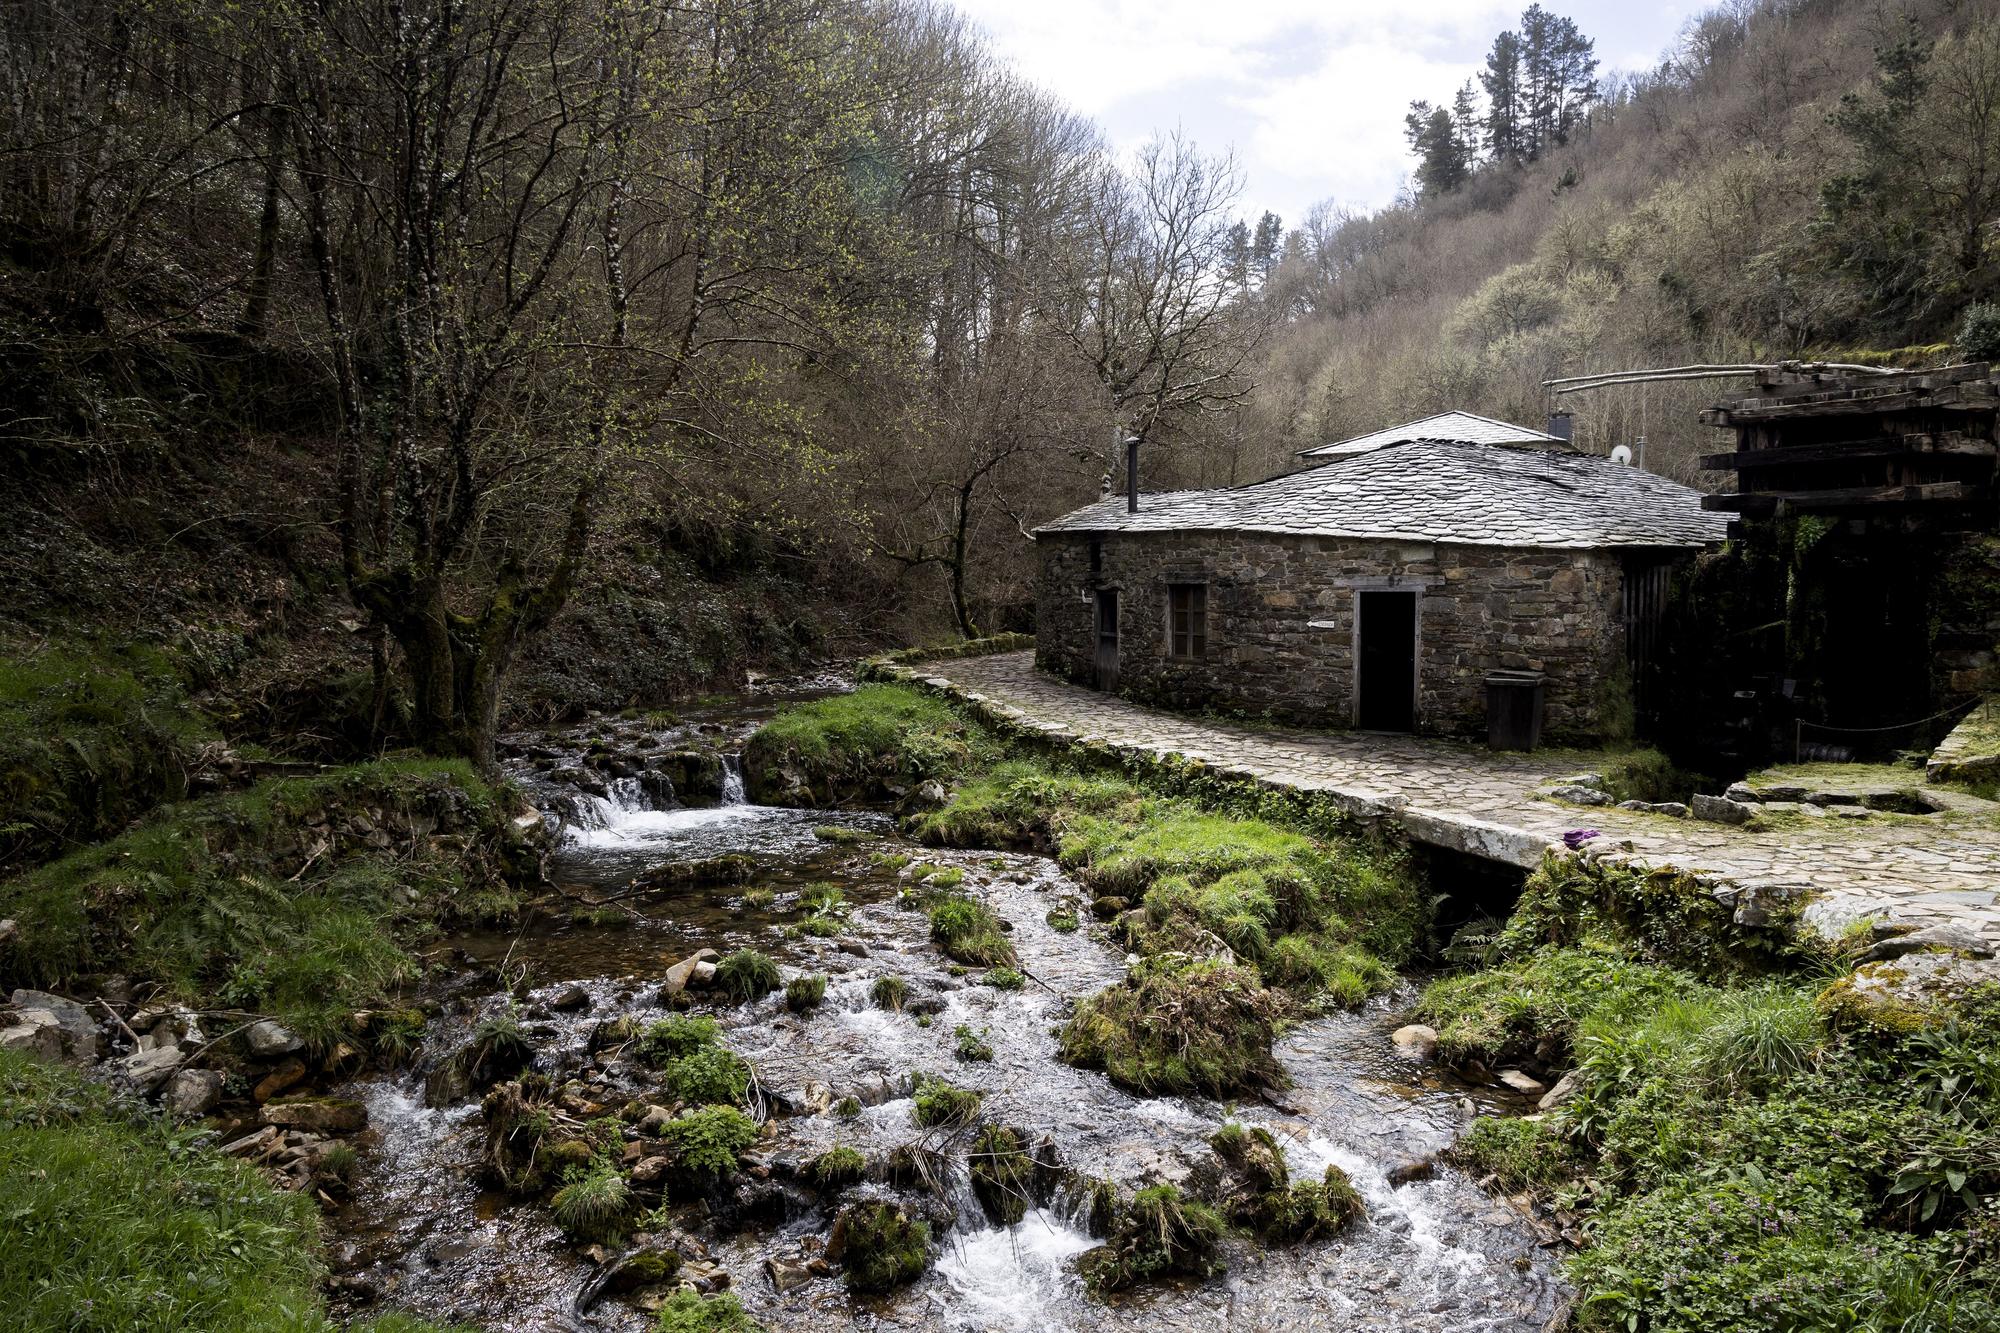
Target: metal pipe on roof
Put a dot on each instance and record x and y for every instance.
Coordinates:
(1131, 474)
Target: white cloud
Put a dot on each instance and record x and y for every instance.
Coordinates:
(1310, 93)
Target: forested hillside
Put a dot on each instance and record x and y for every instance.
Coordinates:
(398, 365)
(1797, 178)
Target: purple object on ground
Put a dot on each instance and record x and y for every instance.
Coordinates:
(1576, 837)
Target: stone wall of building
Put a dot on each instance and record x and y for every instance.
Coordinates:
(1281, 623)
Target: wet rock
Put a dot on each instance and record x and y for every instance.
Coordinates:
(1722, 810)
(703, 975)
(268, 1040)
(570, 999)
(147, 1070)
(1423, 1168)
(655, 1116)
(192, 1092)
(854, 948)
(1561, 1093)
(279, 1079)
(918, 1005)
(681, 973)
(786, 1277)
(1416, 1039)
(1108, 907)
(322, 1115)
(704, 1276)
(1525, 1084)
(78, 1039)
(643, 1268)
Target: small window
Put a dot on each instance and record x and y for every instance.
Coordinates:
(1187, 620)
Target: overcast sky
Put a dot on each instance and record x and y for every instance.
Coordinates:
(1310, 93)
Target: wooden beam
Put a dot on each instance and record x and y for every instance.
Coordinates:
(1847, 497)
(1955, 444)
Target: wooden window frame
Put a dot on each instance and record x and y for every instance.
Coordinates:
(1187, 642)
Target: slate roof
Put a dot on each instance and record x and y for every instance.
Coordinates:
(1460, 427)
(1470, 494)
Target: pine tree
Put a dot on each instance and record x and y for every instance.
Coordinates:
(1236, 253)
(1264, 245)
(1502, 81)
(1433, 134)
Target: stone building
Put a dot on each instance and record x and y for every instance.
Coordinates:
(1380, 588)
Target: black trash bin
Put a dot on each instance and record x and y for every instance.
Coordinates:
(1514, 710)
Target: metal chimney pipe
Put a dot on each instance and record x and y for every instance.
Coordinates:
(1562, 426)
(1131, 474)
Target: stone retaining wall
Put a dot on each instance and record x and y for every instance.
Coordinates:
(1281, 623)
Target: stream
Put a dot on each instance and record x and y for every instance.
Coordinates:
(420, 1233)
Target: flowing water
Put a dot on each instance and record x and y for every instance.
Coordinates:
(419, 1232)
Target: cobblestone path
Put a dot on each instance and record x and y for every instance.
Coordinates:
(1918, 870)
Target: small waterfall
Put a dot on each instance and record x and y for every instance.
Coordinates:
(622, 797)
(732, 779)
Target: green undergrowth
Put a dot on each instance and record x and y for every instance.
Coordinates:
(1248, 905)
(112, 1217)
(90, 739)
(296, 897)
(1737, 1157)
(1158, 1234)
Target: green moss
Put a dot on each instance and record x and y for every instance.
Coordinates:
(805, 994)
(1159, 1234)
(967, 931)
(676, 1036)
(970, 1045)
(1002, 1173)
(116, 1216)
(847, 1108)
(1063, 920)
(1202, 1028)
(939, 1103)
(747, 975)
(837, 1168)
(889, 992)
(1663, 916)
(710, 1140)
(882, 1247)
(1004, 978)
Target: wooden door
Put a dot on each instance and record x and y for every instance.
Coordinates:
(1107, 639)
(1386, 660)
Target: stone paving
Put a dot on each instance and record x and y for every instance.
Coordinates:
(1912, 870)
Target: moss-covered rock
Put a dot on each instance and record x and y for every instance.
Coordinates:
(1159, 1234)
(1201, 1027)
(881, 1247)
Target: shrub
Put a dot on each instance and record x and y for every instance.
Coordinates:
(595, 1201)
(1005, 978)
(1519, 1154)
(967, 931)
(1202, 1028)
(692, 1312)
(889, 992)
(712, 1075)
(760, 897)
(1508, 1014)
(1978, 337)
(882, 1247)
(1158, 1234)
(709, 1140)
(746, 975)
(822, 927)
(837, 1167)
(676, 1036)
(805, 994)
(970, 1045)
(941, 1103)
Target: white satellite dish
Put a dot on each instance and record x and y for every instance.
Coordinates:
(1622, 453)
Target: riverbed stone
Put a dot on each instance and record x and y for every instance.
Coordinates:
(570, 999)
(786, 1277)
(1721, 810)
(1525, 1084)
(680, 974)
(34, 1032)
(1416, 1039)
(192, 1092)
(79, 1039)
(147, 1070)
(278, 1080)
(1565, 1089)
(267, 1040)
